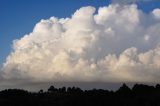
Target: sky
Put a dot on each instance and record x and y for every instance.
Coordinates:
(18, 17)
(79, 40)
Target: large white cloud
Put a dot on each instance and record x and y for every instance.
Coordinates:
(119, 43)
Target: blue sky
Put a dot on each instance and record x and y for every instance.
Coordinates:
(18, 17)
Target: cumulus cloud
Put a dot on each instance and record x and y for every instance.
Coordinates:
(119, 43)
(156, 13)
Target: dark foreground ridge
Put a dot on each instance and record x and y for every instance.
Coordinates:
(139, 95)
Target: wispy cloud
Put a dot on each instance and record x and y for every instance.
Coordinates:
(130, 1)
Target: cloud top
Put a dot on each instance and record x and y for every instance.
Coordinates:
(119, 43)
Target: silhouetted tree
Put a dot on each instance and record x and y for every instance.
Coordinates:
(139, 95)
(124, 88)
(52, 89)
(62, 90)
(158, 86)
(41, 91)
(69, 89)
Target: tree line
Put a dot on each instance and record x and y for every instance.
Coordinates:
(138, 95)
